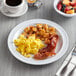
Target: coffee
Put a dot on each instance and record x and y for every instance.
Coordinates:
(13, 2)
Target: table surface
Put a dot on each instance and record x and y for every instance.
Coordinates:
(9, 66)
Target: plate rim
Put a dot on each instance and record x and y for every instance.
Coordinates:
(49, 21)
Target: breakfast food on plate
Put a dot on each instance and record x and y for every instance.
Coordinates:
(39, 40)
(67, 6)
(28, 46)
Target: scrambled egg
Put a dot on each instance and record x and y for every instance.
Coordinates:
(28, 46)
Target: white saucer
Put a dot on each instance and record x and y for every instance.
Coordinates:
(20, 13)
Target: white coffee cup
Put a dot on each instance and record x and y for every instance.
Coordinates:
(13, 9)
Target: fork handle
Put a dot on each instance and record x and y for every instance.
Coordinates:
(70, 68)
(71, 65)
(61, 68)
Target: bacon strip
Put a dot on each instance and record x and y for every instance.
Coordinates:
(49, 50)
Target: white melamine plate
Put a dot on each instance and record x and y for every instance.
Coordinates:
(18, 14)
(61, 48)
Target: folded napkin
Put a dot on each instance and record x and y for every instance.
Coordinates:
(67, 71)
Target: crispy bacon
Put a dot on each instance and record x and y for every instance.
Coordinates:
(49, 50)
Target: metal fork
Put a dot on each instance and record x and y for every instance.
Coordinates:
(72, 55)
(65, 64)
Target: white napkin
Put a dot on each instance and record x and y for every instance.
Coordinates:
(68, 69)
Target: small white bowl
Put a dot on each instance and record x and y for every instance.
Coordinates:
(60, 12)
